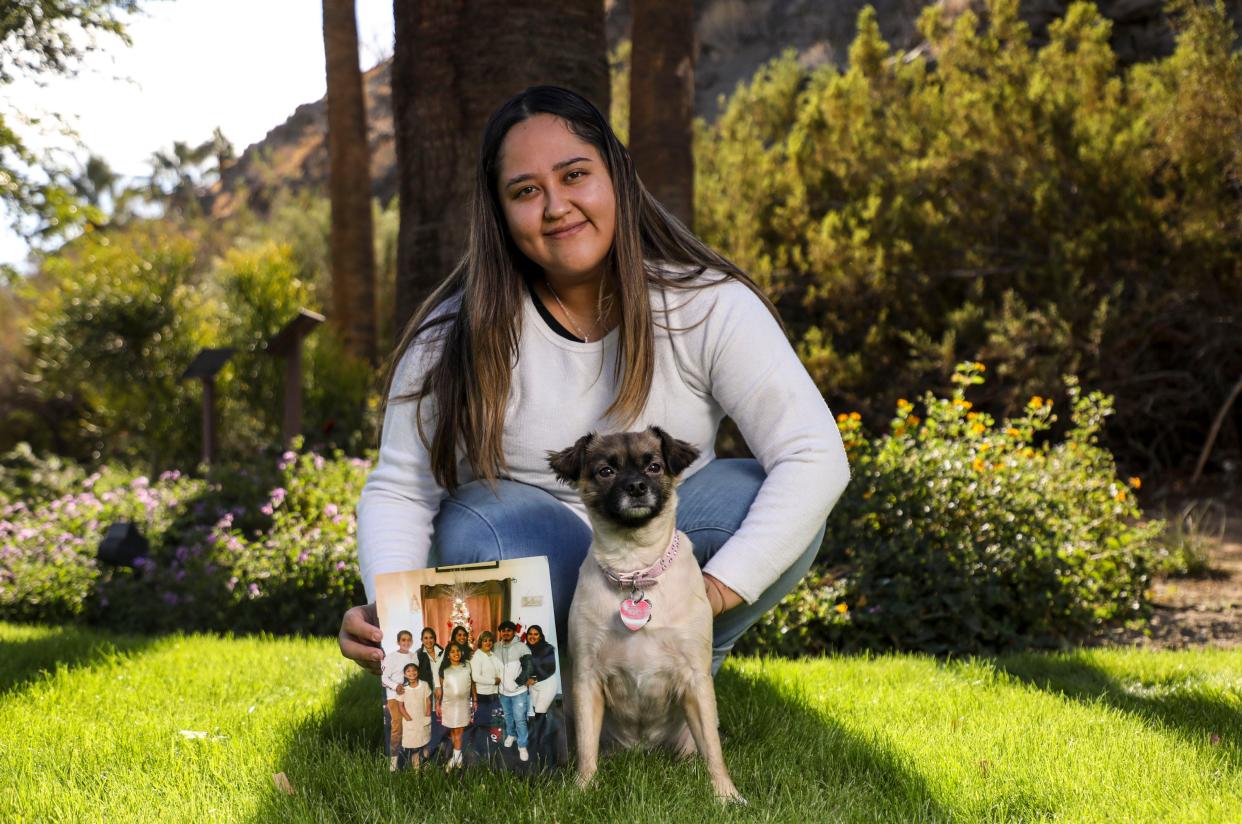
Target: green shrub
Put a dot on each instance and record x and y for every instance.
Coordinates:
(958, 533)
(30, 478)
(1039, 210)
(271, 549)
(113, 325)
(48, 570)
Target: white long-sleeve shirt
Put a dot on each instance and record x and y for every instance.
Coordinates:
(736, 362)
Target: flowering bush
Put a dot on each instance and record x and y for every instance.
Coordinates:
(48, 569)
(961, 533)
(241, 550)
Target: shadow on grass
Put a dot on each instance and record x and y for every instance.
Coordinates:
(1177, 704)
(25, 660)
(788, 758)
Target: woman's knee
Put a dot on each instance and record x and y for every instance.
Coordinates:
(514, 520)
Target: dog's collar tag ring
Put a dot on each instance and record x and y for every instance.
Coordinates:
(635, 610)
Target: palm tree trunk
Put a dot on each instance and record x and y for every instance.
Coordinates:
(454, 62)
(349, 184)
(662, 102)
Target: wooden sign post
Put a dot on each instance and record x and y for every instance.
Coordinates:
(205, 366)
(287, 344)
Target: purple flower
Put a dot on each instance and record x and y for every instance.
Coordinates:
(254, 590)
(340, 566)
(319, 461)
(330, 511)
(141, 482)
(170, 598)
(266, 509)
(278, 494)
(302, 556)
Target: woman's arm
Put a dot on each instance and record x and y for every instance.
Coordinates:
(401, 497)
(755, 376)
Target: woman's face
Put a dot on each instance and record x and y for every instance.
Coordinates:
(429, 640)
(551, 179)
(533, 636)
(459, 636)
(454, 654)
(486, 644)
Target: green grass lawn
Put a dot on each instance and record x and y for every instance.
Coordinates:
(90, 731)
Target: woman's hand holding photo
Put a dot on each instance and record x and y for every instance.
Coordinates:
(360, 637)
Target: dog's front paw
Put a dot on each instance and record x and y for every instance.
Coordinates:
(584, 779)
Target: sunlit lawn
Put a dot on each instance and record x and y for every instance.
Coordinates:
(90, 730)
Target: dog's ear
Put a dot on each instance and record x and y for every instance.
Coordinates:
(677, 454)
(567, 464)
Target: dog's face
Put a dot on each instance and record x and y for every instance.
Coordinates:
(626, 478)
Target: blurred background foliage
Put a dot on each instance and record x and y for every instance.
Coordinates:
(1039, 210)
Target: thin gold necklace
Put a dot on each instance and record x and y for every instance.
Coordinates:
(585, 338)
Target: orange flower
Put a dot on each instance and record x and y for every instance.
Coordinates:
(1013, 433)
(842, 418)
(841, 608)
(1136, 483)
(1037, 401)
(854, 416)
(979, 465)
(978, 429)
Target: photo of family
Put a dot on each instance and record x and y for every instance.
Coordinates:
(471, 671)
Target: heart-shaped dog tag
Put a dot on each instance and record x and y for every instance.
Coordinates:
(635, 613)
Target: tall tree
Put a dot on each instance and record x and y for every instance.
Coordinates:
(449, 73)
(349, 183)
(662, 102)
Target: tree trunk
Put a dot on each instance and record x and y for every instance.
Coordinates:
(349, 184)
(662, 102)
(454, 62)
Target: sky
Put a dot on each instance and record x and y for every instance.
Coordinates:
(242, 65)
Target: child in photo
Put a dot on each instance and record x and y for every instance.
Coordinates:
(393, 677)
(415, 710)
(456, 705)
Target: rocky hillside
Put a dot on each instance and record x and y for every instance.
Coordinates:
(735, 38)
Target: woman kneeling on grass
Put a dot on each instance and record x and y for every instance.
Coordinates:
(457, 705)
(580, 304)
(415, 715)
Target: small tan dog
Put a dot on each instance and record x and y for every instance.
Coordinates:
(640, 626)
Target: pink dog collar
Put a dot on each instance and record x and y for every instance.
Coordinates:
(643, 578)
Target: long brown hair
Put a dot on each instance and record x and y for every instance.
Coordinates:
(469, 380)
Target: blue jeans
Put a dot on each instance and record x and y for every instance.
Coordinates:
(521, 520)
(515, 707)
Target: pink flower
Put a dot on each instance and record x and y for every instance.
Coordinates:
(303, 556)
(319, 461)
(278, 494)
(232, 582)
(266, 509)
(330, 511)
(140, 482)
(253, 589)
(340, 566)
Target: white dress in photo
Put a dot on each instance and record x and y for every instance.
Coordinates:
(416, 733)
(455, 699)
